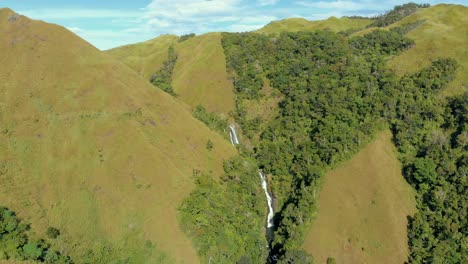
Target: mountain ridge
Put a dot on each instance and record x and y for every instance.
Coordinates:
(82, 131)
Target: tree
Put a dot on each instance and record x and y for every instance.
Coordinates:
(296, 257)
(52, 232)
(32, 251)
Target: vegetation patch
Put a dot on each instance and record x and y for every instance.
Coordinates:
(225, 218)
(163, 78)
(396, 14)
(15, 243)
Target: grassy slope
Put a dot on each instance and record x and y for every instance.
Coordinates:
(87, 146)
(362, 209)
(300, 24)
(147, 57)
(444, 34)
(199, 75)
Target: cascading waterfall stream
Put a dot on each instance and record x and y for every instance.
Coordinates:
(233, 135)
(235, 141)
(269, 200)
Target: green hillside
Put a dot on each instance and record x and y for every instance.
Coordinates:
(89, 147)
(300, 24)
(357, 125)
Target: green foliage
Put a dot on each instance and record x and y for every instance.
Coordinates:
(163, 78)
(427, 132)
(185, 37)
(15, 243)
(212, 120)
(337, 93)
(381, 41)
(225, 219)
(331, 260)
(32, 251)
(333, 103)
(396, 14)
(296, 257)
(243, 62)
(52, 232)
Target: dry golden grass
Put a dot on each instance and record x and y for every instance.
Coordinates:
(444, 34)
(362, 209)
(147, 57)
(200, 75)
(300, 24)
(88, 146)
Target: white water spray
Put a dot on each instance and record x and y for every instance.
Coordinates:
(235, 141)
(269, 200)
(233, 135)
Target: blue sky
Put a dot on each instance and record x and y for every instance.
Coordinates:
(107, 24)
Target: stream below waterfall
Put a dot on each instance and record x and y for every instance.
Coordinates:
(264, 183)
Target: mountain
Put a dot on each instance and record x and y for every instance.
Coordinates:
(91, 148)
(202, 56)
(385, 199)
(357, 125)
(300, 24)
(199, 76)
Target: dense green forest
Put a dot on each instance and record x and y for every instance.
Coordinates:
(225, 217)
(332, 89)
(336, 94)
(431, 135)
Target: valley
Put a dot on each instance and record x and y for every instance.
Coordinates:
(340, 140)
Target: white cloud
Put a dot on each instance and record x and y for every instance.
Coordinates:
(188, 9)
(111, 27)
(199, 16)
(342, 5)
(72, 13)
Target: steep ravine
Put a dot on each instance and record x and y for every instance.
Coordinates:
(264, 182)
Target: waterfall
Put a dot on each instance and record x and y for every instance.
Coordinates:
(233, 135)
(269, 200)
(235, 141)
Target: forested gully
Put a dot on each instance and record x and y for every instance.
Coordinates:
(334, 94)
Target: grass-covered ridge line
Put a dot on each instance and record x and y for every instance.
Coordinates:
(396, 14)
(300, 24)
